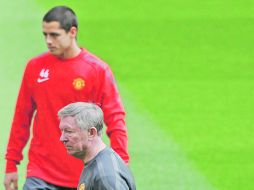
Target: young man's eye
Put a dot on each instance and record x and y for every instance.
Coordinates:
(54, 35)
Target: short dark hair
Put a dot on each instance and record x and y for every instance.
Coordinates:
(64, 15)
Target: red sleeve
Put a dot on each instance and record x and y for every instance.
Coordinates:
(20, 129)
(114, 114)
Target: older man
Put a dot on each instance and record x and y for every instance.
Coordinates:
(81, 126)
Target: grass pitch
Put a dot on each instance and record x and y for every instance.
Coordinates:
(185, 74)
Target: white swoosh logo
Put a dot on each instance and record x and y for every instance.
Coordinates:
(39, 80)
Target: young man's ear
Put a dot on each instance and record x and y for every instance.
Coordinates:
(92, 132)
(73, 31)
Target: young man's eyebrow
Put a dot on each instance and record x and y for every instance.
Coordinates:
(51, 33)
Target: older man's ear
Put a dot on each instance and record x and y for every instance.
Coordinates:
(92, 132)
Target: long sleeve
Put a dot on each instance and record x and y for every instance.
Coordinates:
(114, 114)
(20, 129)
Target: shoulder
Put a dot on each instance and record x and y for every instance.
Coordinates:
(40, 58)
(94, 61)
(39, 61)
(108, 163)
(36, 64)
(111, 172)
(107, 155)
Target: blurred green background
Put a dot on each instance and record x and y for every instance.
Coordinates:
(185, 73)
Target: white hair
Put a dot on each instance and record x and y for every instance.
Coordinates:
(86, 115)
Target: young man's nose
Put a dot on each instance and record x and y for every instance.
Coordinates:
(48, 39)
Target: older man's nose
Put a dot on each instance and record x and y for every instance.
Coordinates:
(63, 138)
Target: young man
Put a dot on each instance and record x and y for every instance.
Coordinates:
(52, 80)
(81, 125)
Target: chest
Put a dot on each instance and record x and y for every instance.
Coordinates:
(86, 181)
(75, 81)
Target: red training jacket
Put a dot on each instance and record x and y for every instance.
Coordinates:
(48, 84)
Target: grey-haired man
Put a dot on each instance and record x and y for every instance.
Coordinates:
(81, 126)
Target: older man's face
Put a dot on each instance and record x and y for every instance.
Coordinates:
(75, 139)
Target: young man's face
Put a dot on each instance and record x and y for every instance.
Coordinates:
(57, 39)
(75, 139)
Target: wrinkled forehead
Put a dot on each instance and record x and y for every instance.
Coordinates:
(68, 122)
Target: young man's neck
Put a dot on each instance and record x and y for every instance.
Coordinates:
(71, 52)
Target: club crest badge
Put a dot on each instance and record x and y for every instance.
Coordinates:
(82, 186)
(78, 83)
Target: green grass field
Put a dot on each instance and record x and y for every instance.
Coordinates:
(185, 72)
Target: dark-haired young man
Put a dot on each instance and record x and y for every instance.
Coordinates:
(52, 80)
